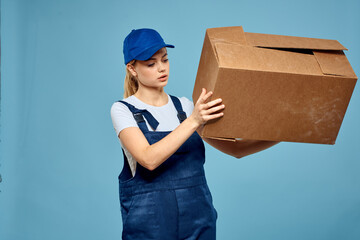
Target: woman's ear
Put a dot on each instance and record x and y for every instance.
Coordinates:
(131, 69)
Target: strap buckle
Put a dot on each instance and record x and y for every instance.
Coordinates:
(181, 116)
(139, 117)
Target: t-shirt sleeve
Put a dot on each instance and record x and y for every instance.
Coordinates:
(187, 105)
(121, 117)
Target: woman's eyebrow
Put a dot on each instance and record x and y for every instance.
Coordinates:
(155, 58)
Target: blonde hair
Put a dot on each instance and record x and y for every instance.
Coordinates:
(130, 83)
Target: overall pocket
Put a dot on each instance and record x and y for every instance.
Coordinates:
(126, 205)
(140, 217)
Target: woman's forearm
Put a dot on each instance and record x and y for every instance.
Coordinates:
(154, 155)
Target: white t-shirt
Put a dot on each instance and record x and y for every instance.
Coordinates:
(166, 115)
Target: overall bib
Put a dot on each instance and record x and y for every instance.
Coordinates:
(173, 201)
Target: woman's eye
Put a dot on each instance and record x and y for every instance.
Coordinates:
(151, 64)
(165, 60)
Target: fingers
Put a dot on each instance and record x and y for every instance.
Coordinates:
(205, 111)
(214, 116)
(213, 103)
(203, 92)
(204, 96)
(214, 109)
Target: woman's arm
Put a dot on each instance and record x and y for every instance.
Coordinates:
(152, 156)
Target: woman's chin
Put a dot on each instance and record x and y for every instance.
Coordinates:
(164, 83)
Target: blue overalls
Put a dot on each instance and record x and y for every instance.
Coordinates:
(173, 201)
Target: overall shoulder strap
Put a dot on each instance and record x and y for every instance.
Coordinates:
(139, 115)
(181, 114)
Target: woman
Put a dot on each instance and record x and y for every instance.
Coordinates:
(163, 190)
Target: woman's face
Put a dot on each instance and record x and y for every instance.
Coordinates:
(154, 72)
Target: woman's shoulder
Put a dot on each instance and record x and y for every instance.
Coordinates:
(121, 117)
(119, 108)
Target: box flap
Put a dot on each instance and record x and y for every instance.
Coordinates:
(280, 41)
(262, 59)
(234, 35)
(334, 63)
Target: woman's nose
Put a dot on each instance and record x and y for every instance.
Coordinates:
(161, 67)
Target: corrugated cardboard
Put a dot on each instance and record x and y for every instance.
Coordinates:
(275, 88)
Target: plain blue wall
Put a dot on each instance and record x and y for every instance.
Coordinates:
(62, 68)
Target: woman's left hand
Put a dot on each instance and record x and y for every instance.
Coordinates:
(205, 111)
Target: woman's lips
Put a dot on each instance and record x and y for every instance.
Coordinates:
(163, 77)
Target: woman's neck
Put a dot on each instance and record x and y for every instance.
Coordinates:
(155, 98)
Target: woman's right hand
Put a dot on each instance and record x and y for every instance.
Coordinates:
(205, 111)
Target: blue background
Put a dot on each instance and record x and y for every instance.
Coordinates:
(62, 68)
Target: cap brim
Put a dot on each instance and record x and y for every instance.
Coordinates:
(151, 51)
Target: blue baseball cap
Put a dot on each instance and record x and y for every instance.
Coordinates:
(142, 43)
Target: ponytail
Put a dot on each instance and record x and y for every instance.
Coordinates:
(130, 83)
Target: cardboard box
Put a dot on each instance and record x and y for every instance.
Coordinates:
(275, 88)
